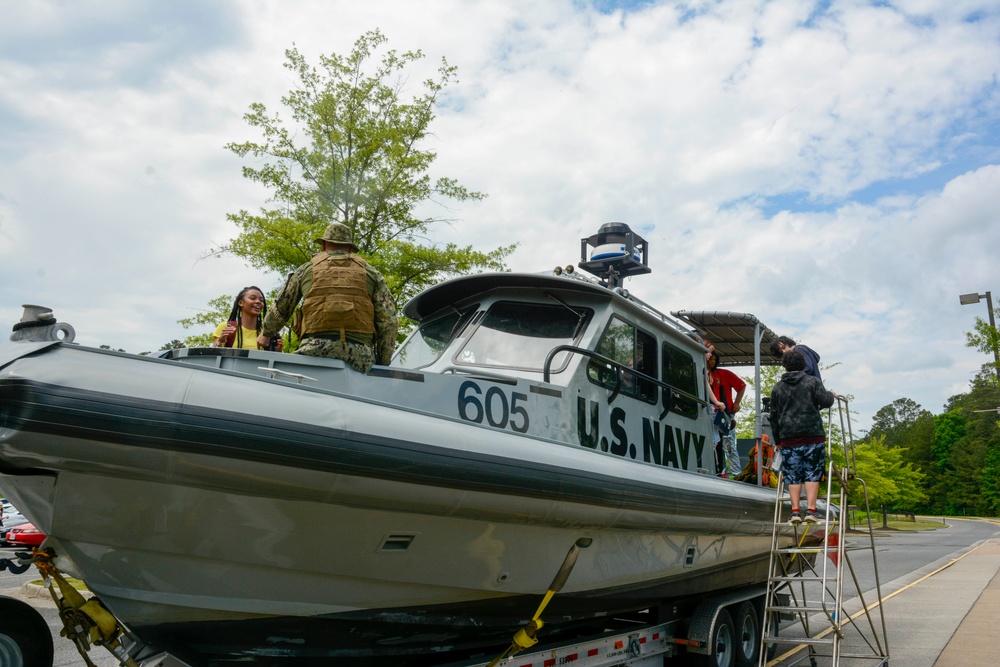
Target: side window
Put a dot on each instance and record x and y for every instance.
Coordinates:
(680, 373)
(425, 345)
(632, 348)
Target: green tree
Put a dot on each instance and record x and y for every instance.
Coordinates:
(918, 442)
(949, 428)
(353, 153)
(892, 421)
(991, 478)
(889, 479)
(986, 339)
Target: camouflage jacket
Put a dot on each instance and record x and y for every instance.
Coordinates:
(298, 284)
(796, 401)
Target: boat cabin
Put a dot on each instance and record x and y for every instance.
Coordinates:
(630, 380)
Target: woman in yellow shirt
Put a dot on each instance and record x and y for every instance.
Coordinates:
(245, 321)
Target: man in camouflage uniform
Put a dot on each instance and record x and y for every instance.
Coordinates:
(347, 310)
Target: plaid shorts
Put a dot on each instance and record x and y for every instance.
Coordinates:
(805, 463)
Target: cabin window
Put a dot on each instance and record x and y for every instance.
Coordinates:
(431, 339)
(521, 335)
(632, 348)
(680, 373)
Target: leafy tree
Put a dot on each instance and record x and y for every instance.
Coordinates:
(991, 478)
(949, 428)
(890, 481)
(959, 489)
(353, 154)
(893, 420)
(918, 441)
(986, 339)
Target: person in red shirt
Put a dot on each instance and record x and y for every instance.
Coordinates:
(725, 384)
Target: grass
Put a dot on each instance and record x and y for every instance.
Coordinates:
(896, 523)
(919, 524)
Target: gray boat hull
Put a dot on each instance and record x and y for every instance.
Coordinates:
(219, 527)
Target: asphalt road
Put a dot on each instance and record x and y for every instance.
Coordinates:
(901, 554)
(903, 557)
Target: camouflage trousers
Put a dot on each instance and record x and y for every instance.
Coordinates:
(803, 463)
(360, 356)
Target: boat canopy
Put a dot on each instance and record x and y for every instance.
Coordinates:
(736, 336)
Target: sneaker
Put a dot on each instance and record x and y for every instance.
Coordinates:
(795, 519)
(812, 516)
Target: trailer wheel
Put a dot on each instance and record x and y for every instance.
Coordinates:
(723, 642)
(25, 638)
(747, 635)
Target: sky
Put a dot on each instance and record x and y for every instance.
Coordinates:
(831, 167)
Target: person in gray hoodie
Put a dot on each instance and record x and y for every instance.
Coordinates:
(797, 425)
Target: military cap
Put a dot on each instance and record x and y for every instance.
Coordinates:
(338, 232)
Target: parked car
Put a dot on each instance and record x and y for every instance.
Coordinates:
(10, 522)
(25, 535)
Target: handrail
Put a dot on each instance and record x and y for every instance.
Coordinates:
(619, 369)
(275, 373)
(477, 372)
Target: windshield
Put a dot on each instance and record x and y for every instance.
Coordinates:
(431, 339)
(520, 335)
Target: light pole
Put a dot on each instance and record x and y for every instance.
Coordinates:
(965, 300)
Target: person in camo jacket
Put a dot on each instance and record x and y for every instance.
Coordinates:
(347, 309)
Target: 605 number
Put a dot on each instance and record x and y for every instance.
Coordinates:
(493, 406)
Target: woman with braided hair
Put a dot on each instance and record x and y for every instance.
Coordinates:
(245, 321)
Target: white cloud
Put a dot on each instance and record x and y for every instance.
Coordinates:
(696, 123)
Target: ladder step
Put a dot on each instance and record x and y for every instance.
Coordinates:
(823, 641)
(798, 578)
(803, 609)
(799, 550)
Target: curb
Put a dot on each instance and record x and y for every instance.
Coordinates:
(30, 590)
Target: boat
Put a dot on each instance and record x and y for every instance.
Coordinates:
(232, 505)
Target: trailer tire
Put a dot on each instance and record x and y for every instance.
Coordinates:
(723, 642)
(25, 638)
(747, 635)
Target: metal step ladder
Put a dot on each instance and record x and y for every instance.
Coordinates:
(806, 579)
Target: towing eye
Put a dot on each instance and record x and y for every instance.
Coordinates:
(525, 637)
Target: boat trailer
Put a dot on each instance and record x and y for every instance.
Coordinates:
(714, 632)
